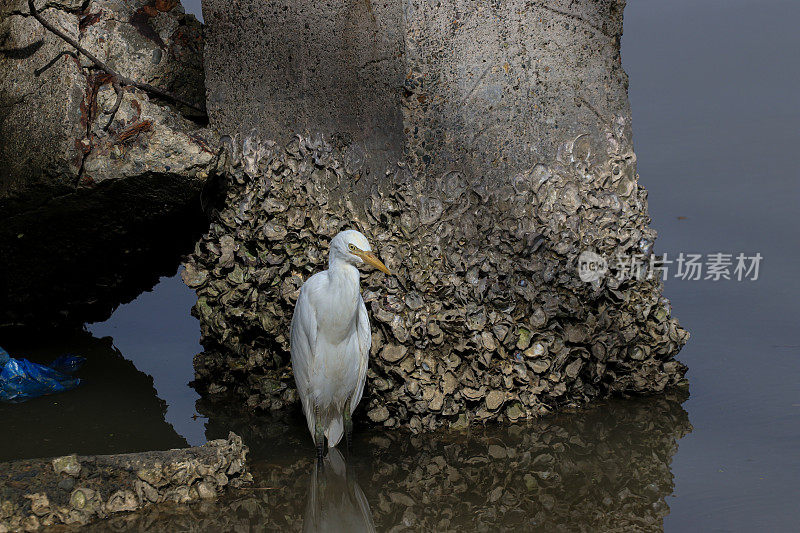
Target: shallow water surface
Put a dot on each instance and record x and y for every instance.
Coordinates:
(715, 121)
(114, 409)
(599, 469)
(715, 112)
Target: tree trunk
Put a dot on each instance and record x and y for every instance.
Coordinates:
(482, 148)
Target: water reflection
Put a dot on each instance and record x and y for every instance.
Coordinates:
(607, 468)
(336, 503)
(114, 410)
(162, 344)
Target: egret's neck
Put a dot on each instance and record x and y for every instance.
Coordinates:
(344, 274)
(338, 312)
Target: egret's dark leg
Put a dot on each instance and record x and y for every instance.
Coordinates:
(319, 434)
(319, 470)
(348, 427)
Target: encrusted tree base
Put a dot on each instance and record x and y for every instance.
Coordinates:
(486, 318)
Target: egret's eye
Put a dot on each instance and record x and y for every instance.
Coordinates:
(352, 247)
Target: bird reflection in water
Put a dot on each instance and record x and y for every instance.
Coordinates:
(600, 469)
(335, 501)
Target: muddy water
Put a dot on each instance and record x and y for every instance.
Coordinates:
(715, 111)
(593, 470)
(598, 468)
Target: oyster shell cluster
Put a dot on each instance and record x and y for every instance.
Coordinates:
(76, 490)
(486, 317)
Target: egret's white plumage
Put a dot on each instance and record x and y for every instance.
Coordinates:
(331, 337)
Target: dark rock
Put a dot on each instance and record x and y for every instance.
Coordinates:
(67, 484)
(85, 212)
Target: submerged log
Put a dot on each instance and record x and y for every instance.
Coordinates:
(78, 490)
(482, 148)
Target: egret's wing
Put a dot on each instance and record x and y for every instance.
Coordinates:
(364, 343)
(304, 346)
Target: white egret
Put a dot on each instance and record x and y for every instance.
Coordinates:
(330, 340)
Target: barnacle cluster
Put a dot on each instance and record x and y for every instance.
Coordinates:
(486, 318)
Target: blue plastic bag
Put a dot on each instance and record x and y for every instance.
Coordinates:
(67, 364)
(21, 380)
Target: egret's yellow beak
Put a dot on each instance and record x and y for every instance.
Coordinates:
(373, 260)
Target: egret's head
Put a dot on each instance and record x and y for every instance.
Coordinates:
(352, 247)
